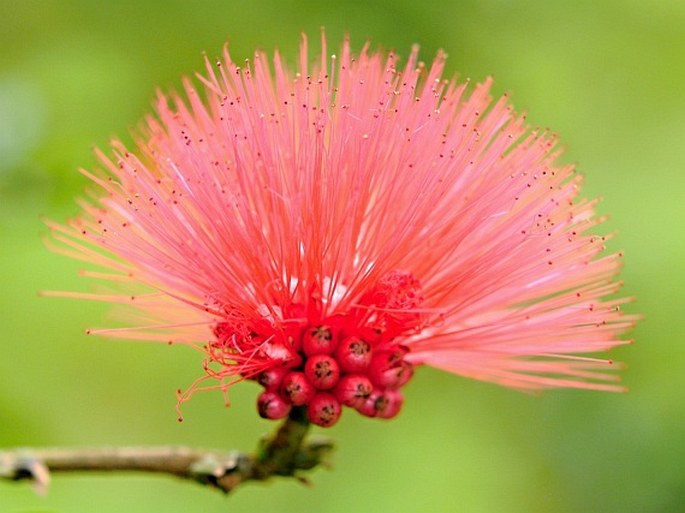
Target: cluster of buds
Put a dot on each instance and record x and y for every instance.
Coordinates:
(354, 359)
(336, 369)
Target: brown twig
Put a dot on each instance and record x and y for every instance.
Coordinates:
(285, 453)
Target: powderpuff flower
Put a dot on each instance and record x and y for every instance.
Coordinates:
(326, 230)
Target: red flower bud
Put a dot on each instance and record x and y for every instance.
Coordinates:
(323, 410)
(389, 404)
(353, 354)
(322, 371)
(318, 340)
(384, 405)
(388, 369)
(353, 390)
(297, 389)
(271, 378)
(270, 405)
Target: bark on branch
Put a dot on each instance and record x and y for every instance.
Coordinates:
(285, 453)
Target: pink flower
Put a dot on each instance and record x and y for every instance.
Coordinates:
(325, 231)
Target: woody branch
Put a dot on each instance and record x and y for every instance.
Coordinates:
(285, 453)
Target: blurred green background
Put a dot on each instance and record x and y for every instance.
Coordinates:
(607, 75)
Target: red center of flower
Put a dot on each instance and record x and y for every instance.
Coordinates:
(352, 359)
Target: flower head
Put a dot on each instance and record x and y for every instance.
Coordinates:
(325, 231)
